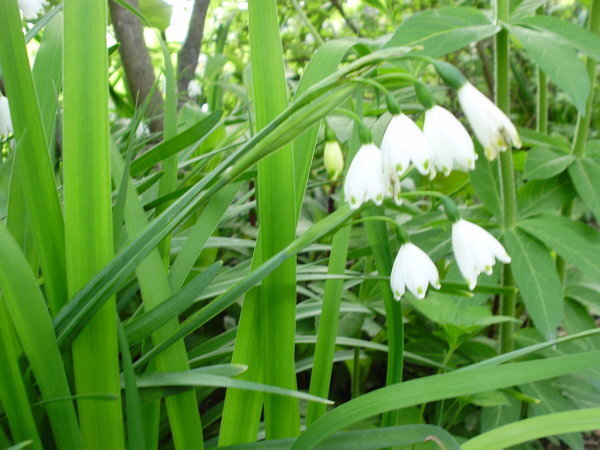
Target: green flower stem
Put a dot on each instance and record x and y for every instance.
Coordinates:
(583, 121)
(507, 178)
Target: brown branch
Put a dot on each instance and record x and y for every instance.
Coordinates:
(139, 73)
(337, 5)
(187, 58)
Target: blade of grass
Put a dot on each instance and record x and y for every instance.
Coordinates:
(317, 231)
(33, 325)
(34, 166)
(439, 387)
(182, 409)
(88, 214)
(135, 425)
(168, 181)
(277, 224)
(199, 234)
(13, 394)
(535, 428)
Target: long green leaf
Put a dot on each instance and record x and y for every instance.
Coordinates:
(535, 428)
(154, 285)
(368, 439)
(438, 387)
(88, 215)
(32, 155)
(33, 325)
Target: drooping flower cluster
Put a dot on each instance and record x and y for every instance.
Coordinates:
(442, 146)
(475, 251)
(32, 8)
(5, 120)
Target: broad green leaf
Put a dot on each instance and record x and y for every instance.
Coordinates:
(500, 415)
(551, 401)
(443, 30)
(538, 196)
(438, 387)
(486, 184)
(572, 240)
(520, 10)
(157, 12)
(559, 61)
(567, 33)
(535, 428)
(585, 175)
(532, 138)
(545, 162)
(535, 274)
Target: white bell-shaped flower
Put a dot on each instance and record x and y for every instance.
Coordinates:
(403, 143)
(493, 128)
(32, 8)
(451, 145)
(194, 89)
(475, 251)
(413, 270)
(365, 179)
(6, 127)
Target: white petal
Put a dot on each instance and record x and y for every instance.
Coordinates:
(393, 146)
(32, 8)
(5, 119)
(450, 143)
(461, 246)
(365, 179)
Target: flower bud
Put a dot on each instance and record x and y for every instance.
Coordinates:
(333, 159)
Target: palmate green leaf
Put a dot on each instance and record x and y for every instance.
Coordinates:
(524, 8)
(533, 138)
(443, 30)
(33, 326)
(567, 33)
(485, 182)
(158, 13)
(438, 387)
(546, 162)
(538, 196)
(535, 428)
(551, 401)
(367, 439)
(536, 277)
(559, 61)
(574, 241)
(585, 175)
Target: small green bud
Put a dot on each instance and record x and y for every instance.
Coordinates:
(450, 74)
(392, 105)
(364, 133)
(333, 159)
(424, 96)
